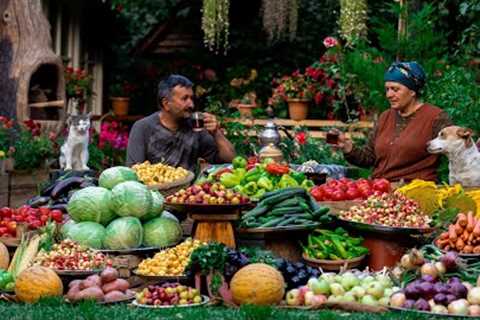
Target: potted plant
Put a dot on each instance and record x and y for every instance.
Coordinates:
(297, 90)
(78, 86)
(120, 96)
(247, 104)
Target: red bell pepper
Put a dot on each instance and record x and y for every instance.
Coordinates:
(277, 169)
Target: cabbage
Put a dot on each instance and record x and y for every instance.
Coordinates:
(157, 206)
(123, 233)
(115, 175)
(90, 234)
(91, 204)
(161, 232)
(168, 215)
(131, 199)
(67, 226)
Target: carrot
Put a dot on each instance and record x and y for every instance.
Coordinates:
(452, 235)
(470, 224)
(441, 243)
(462, 219)
(467, 249)
(444, 235)
(458, 229)
(459, 245)
(476, 249)
(465, 235)
(476, 230)
(470, 238)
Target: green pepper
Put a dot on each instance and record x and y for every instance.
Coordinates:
(253, 175)
(287, 182)
(238, 188)
(298, 176)
(239, 162)
(265, 183)
(307, 184)
(250, 188)
(240, 172)
(230, 180)
(259, 193)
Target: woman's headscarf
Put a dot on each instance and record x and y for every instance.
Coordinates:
(410, 74)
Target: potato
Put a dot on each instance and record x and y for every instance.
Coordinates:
(74, 283)
(73, 292)
(109, 274)
(87, 284)
(90, 293)
(119, 284)
(96, 279)
(114, 295)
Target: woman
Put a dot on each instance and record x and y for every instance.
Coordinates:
(396, 147)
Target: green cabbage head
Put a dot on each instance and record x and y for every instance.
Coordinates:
(131, 199)
(91, 204)
(90, 234)
(123, 233)
(115, 175)
(161, 232)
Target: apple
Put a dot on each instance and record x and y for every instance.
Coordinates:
(319, 299)
(319, 286)
(303, 290)
(309, 296)
(347, 297)
(183, 301)
(329, 277)
(293, 297)
(337, 289)
(333, 299)
(384, 301)
(349, 280)
(197, 299)
(358, 292)
(184, 295)
(375, 289)
(369, 300)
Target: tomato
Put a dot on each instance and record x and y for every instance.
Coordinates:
(44, 211)
(57, 215)
(344, 180)
(328, 193)
(3, 230)
(342, 186)
(381, 185)
(44, 218)
(365, 193)
(317, 193)
(338, 195)
(12, 227)
(332, 183)
(6, 212)
(352, 193)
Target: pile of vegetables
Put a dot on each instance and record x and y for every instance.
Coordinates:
(33, 218)
(69, 255)
(56, 194)
(159, 173)
(463, 236)
(168, 294)
(373, 289)
(169, 262)
(393, 210)
(333, 245)
(253, 180)
(207, 193)
(106, 287)
(285, 207)
(346, 189)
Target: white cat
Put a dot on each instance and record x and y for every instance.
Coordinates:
(74, 151)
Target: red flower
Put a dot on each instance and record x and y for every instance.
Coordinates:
(318, 98)
(330, 42)
(330, 83)
(301, 137)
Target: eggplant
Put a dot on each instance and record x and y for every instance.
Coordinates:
(48, 189)
(37, 201)
(61, 207)
(87, 183)
(66, 185)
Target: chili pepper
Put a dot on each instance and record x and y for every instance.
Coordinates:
(340, 248)
(253, 175)
(277, 169)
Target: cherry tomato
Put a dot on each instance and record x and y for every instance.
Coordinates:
(3, 230)
(12, 227)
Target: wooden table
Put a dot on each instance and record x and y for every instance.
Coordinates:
(215, 227)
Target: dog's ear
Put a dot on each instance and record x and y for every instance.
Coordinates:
(466, 134)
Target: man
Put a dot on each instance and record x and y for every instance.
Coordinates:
(167, 136)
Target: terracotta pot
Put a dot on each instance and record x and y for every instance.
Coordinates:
(298, 109)
(120, 105)
(245, 109)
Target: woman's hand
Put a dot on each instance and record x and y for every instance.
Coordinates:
(344, 143)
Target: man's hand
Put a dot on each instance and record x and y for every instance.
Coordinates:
(344, 143)
(210, 122)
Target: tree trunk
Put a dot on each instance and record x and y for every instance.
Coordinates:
(30, 72)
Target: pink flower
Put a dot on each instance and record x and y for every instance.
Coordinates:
(330, 42)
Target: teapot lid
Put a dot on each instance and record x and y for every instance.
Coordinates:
(270, 125)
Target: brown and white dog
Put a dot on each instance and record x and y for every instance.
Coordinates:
(463, 155)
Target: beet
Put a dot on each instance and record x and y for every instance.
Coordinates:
(440, 298)
(449, 260)
(422, 305)
(454, 280)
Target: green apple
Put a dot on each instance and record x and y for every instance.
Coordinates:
(349, 280)
(337, 289)
(358, 292)
(197, 299)
(375, 289)
(369, 300)
(319, 286)
(293, 297)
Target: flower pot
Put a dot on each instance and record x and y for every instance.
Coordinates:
(120, 105)
(298, 109)
(245, 109)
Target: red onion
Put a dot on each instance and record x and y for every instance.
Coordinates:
(440, 298)
(450, 260)
(422, 305)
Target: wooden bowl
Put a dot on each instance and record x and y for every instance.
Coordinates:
(333, 265)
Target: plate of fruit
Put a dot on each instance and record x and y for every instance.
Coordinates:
(169, 295)
(207, 198)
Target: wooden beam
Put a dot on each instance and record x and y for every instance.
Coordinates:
(306, 123)
(56, 103)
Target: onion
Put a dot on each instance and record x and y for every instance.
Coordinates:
(440, 267)
(440, 298)
(416, 257)
(431, 303)
(428, 278)
(429, 269)
(478, 281)
(412, 291)
(397, 299)
(449, 260)
(459, 307)
(473, 296)
(440, 288)
(409, 304)
(397, 272)
(450, 298)
(468, 285)
(406, 262)
(458, 290)
(426, 290)
(439, 309)
(474, 311)
(422, 305)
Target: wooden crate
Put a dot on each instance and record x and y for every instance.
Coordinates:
(23, 186)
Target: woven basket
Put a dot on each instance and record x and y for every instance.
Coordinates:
(170, 188)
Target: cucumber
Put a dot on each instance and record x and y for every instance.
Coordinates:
(321, 211)
(286, 210)
(279, 191)
(287, 203)
(286, 222)
(289, 193)
(255, 212)
(272, 222)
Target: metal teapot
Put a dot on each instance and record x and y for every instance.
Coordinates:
(270, 134)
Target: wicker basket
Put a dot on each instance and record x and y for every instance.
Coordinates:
(170, 188)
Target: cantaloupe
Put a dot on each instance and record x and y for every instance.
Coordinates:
(37, 282)
(258, 284)
(4, 257)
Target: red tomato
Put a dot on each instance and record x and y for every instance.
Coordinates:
(317, 193)
(3, 230)
(338, 195)
(362, 181)
(44, 218)
(344, 180)
(12, 227)
(328, 193)
(57, 215)
(381, 185)
(352, 193)
(365, 193)
(332, 183)
(43, 210)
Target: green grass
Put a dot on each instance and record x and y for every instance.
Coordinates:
(55, 309)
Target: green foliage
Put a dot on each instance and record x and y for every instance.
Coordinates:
(31, 152)
(207, 258)
(238, 134)
(469, 12)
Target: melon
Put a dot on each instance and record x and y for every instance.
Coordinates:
(4, 257)
(258, 284)
(37, 282)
